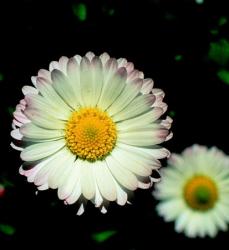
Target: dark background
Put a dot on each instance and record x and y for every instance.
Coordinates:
(150, 34)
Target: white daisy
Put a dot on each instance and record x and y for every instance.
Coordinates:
(194, 191)
(90, 127)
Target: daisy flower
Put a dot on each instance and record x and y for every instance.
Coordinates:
(90, 127)
(194, 191)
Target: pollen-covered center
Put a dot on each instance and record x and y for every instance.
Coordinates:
(90, 134)
(200, 193)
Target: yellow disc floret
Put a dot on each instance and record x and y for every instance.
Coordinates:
(201, 193)
(90, 134)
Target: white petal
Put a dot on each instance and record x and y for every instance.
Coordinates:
(167, 122)
(141, 120)
(16, 134)
(44, 74)
(128, 94)
(63, 87)
(31, 173)
(40, 104)
(158, 92)
(81, 209)
(171, 209)
(158, 153)
(132, 162)
(63, 61)
(182, 220)
(78, 58)
(98, 197)
(104, 180)
(44, 120)
(113, 84)
(103, 210)
(53, 98)
(54, 65)
(121, 195)
(104, 58)
(144, 185)
(32, 131)
(138, 106)
(74, 196)
(66, 189)
(29, 90)
(211, 229)
(97, 79)
(147, 86)
(129, 67)
(193, 225)
(73, 69)
(219, 220)
(123, 176)
(16, 147)
(62, 169)
(34, 80)
(122, 62)
(20, 118)
(169, 136)
(43, 187)
(87, 89)
(146, 155)
(41, 150)
(87, 179)
(143, 138)
(51, 166)
(90, 55)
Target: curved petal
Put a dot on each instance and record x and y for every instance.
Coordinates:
(138, 106)
(105, 180)
(41, 150)
(122, 176)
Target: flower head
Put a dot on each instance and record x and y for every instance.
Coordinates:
(194, 191)
(90, 127)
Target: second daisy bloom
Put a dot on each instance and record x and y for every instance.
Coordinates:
(194, 191)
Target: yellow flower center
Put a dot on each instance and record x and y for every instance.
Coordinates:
(90, 134)
(200, 193)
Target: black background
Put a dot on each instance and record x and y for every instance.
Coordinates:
(148, 33)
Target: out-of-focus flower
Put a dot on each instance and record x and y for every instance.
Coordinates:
(90, 128)
(194, 191)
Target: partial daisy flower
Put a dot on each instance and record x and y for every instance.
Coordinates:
(90, 127)
(194, 191)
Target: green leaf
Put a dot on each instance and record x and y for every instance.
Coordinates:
(80, 11)
(103, 236)
(214, 32)
(178, 57)
(223, 75)
(7, 229)
(172, 113)
(219, 52)
(222, 21)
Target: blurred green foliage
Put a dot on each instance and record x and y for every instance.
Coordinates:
(80, 11)
(103, 236)
(7, 229)
(222, 21)
(178, 57)
(219, 52)
(223, 75)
